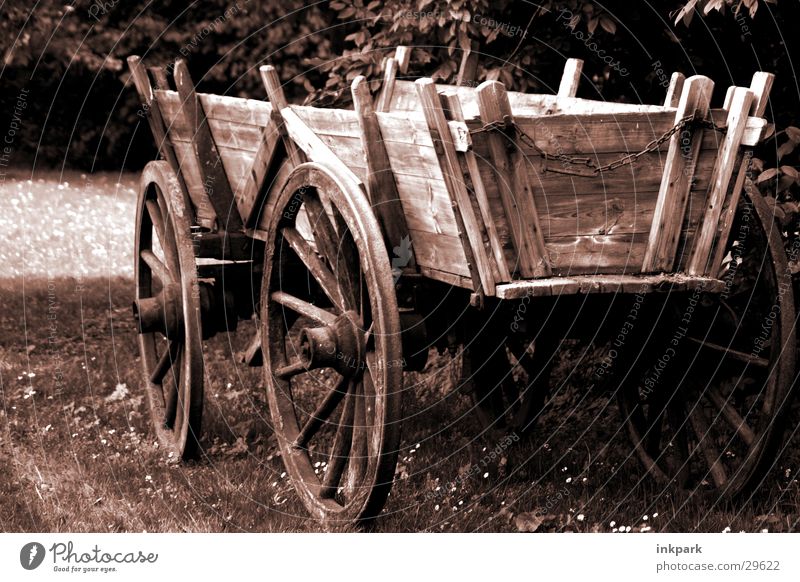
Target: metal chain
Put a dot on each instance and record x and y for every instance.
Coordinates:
(508, 123)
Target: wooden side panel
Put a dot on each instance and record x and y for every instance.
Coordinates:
(420, 184)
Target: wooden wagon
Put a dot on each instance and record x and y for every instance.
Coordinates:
(433, 215)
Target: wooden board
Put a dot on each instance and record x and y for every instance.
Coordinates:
(665, 283)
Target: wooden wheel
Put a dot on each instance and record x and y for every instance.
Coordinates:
(167, 311)
(332, 349)
(703, 403)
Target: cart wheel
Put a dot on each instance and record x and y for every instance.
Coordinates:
(704, 405)
(509, 381)
(334, 379)
(167, 311)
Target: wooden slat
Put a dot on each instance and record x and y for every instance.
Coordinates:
(381, 185)
(468, 69)
(515, 192)
(677, 178)
(249, 190)
(441, 253)
(215, 181)
(674, 90)
(761, 86)
(664, 283)
(402, 54)
(571, 78)
(469, 231)
(729, 212)
(159, 76)
(272, 83)
(387, 89)
(702, 251)
(500, 267)
(159, 130)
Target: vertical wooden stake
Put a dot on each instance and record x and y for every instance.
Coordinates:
(702, 250)
(157, 127)
(217, 188)
(761, 85)
(501, 271)
(387, 89)
(381, 186)
(571, 78)
(674, 90)
(512, 181)
(470, 233)
(676, 182)
(402, 55)
(468, 69)
(272, 83)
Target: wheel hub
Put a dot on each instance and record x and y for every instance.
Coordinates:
(162, 313)
(340, 345)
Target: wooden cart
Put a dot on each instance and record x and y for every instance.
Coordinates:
(434, 216)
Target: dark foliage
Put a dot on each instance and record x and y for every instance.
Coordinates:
(81, 108)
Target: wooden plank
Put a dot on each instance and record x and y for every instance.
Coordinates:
(469, 231)
(679, 167)
(729, 212)
(217, 187)
(468, 69)
(728, 98)
(761, 86)
(601, 214)
(381, 185)
(702, 251)
(515, 192)
(441, 253)
(402, 54)
(404, 99)
(552, 178)
(664, 283)
(387, 88)
(272, 83)
(500, 267)
(249, 190)
(159, 76)
(674, 90)
(571, 78)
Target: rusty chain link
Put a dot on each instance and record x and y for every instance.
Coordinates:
(508, 123)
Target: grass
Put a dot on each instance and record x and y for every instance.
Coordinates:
(79, 455)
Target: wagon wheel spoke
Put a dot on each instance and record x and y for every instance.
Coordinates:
(347, 264)
(341, 446)
(157, 219)
(303, 307)
(293, 369)
(171, 405)
(357, 465)
(158, 268)
(321, 414)
(733, 354)
(165, 362)
(713, 460)
(167, 236)
(731, 416)
(321, 273)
